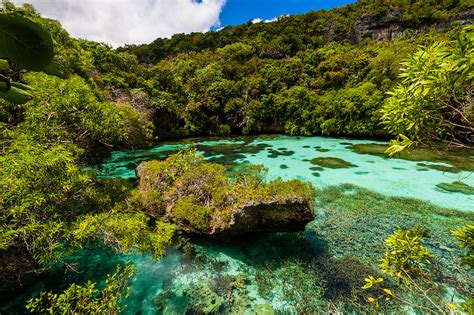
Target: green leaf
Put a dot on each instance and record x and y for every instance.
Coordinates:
(15, 95)
(25, 43)
(4, 66)
(57, 69)
(21, 86)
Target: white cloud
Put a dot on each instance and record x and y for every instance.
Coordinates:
(259, 20)
(119, 22)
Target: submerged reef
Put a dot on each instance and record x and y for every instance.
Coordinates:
(457, 186)
(460, 160)
(331, 162)
(199, 198)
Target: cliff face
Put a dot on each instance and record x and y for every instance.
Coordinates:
(271, 217)
(385, 27)
(391, 25)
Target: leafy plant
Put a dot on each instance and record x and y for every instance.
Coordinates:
(26, 44)
(465, 238)
(406, 257)
(433, 100)
(87, 298)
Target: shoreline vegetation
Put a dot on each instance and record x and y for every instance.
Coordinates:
(373, 69)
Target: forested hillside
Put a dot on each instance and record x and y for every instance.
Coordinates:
(324, 72)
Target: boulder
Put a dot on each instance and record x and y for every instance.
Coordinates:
(199, 198)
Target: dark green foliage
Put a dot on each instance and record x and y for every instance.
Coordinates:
(86, 299)
(465, 238)
(29, 46)
(25, 43)
(287, 36)
(14, 95)
(299, 75)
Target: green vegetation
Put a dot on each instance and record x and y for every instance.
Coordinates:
(409, 260)
(276, 77)
(86, 299)
(433, 100)
(465, 238)
(26, 44)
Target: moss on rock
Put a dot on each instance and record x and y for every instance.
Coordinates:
(331, 162)
(458, 186)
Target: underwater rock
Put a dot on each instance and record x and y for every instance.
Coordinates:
(203, 299)
(441, 168)
(457, 186)
(323, 150)
(331, 162)
(458, 159)
(264, 309)
(168, 302)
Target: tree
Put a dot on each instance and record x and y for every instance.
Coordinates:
(434, 99)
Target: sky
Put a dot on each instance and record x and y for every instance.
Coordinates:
(119, 22)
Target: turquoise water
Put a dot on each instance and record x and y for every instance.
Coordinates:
(320, 269)
(388, 176)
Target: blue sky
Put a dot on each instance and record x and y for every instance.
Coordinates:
(241, 11)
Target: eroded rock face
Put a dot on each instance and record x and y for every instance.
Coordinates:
(391, 25)
(289, 216)
(386, 27)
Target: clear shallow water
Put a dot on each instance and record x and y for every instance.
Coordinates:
(388, 176)
(284, 271)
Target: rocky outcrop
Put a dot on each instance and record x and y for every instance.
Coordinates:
(386, 27)
(269, 217)
(198, 198)
(391, 24)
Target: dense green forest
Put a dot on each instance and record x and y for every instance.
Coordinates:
(350, 71)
